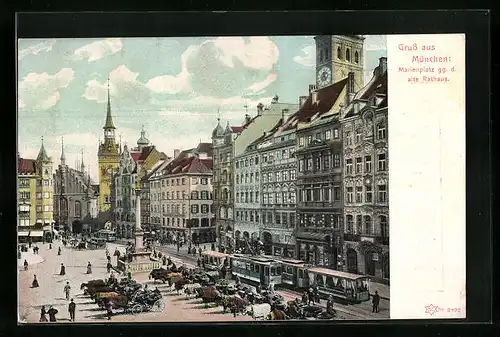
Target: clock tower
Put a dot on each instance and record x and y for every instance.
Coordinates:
(336, 56)
(108, 160)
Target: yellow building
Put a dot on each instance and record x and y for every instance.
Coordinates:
(35, 197)
(108, 161)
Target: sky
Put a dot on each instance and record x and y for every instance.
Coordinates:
(175, 87)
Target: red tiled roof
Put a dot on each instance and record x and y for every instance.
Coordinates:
(378, 87)
(26, 165)
(189, 165)
(205, 148)
(326, 98)
(208, 163)
(135, 156)
(237, 129)
(145, 152)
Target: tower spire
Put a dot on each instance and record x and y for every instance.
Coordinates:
(109, 120)
(82, 169)
(63, 156)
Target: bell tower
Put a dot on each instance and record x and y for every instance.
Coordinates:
(336, 57)
(108, 160)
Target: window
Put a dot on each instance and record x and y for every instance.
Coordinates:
(278, 176)
(368, 164)
(39, 195)
(348, 138)
(336, 193)
(194, 195)
(178, 195)
(359, 224)
(271, 198)
(78, 209)
(309, 140)
(204, 181)
(184, 195)
(292, 174)
(270, 177)
(356, 57)
(284, 154)
(359, 164)
(251, 177)
(292, 197)
(265, 198)
(279, 198)
(358, 136)
(381, 162)
(256, 196)
(309, 164)
(384, 227)
(349, 194)
(46, 208)
(350, 224)
(204, 195)
(183, 208)
(194, 209)
(256, 160)
(177, 181)
(336, 133)
(321, 56)
(301, 165)
(339, 53)
(163, 183)
(382, 193)
(348, 166)
(368, 225)
(317, 163)
(359, 193)
(285, 175)
(381, 133)
(326, 194)
(237, 164)
(301, 141)
(369, 193)
(328, 134)
(336, 160)
(264, 178)
(348, 55)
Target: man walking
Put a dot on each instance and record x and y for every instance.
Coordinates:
(67, 289)
(71, 309)
(375, 301)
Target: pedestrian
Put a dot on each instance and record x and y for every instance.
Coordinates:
(25, 265)
(43, 318)
(109, 310)
(71, 309)
(305, 298)
(213, 246)
(164, 260)
(59, 251)
(50, 245)
(238, 281)
(199, 251)
(129, 274)
(63, 270)
(329, 305)
(258, 289)
(271, 288)
(108, 267)
(204, 247)
(89, 268)
(67, 289)
(376, 301)
(52, 314)
(34, 284)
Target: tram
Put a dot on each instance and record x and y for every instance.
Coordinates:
(257, 269)
(214, 260)
(106, 235)
(294, 272)
(346, 286)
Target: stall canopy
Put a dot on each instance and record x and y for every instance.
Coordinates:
(32, 233)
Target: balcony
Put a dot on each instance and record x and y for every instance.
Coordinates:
(319, 204)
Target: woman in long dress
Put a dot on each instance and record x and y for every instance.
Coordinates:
(43, 318)
(63, 270)
(89, 268)
(34, 284)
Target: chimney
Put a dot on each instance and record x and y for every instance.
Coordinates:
(260, 109)
(284, 112)
(350, 87)
(382, 63)
(302, 100)
(177, 152)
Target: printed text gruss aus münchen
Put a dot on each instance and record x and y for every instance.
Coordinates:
(430, 59)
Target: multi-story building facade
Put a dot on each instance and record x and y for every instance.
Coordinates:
(73, 196)
(366, 178)
(247, 203)
(222, 140)
(187, 196)
(35, 198)
(339, 67)
(278, 189)
(124, 188)
(108, 161)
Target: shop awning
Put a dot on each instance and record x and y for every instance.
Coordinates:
(32, 233)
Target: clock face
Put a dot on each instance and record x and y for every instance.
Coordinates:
(324, 76)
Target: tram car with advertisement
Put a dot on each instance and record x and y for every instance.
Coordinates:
(345, 286)
(256, 269)
(214, 260)
(294, 273)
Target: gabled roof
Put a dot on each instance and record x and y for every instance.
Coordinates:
(189, 165)
(326, 98)
(376, 87)
(26, 166)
